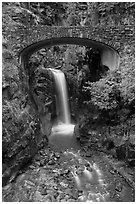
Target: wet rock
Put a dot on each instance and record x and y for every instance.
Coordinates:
(89, 168)
(51, 162)
(80, 170)
(7, 188)
(81, 198)
(37, 163)
(46, 160)
(43, 162)
(65, 198)
(49, 198)
(29, 184)
(57, 155)
(88, 154)
(65, 185)
(118, 186)
(67, 171)
(32, 167)
(75, 194)
(6, 176)
(71, 200)
(112, 171)
(60, 196)
(43, 191)
(38, 197)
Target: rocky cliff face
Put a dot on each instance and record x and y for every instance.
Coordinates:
(42, 88)
(25, 129)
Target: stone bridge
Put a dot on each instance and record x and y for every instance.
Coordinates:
(112, 36)
(26, 40)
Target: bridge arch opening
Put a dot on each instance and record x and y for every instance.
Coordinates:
(109, 56)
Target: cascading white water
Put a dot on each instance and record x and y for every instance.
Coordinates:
(62, 131)
(62, 97)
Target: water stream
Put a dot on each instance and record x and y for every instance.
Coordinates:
(85, 174)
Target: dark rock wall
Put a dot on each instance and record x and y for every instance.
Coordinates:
(22, 136)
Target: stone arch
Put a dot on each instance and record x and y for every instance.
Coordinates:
(109, 56)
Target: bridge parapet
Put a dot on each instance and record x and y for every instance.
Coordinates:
(20, 37)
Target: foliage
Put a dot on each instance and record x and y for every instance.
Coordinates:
(127, 66)
(69, 13)
(105, 93)
(116, 13)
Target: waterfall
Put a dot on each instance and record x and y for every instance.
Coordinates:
(62, 131)
(62, 106)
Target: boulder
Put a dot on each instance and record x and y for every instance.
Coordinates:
(126, 152)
